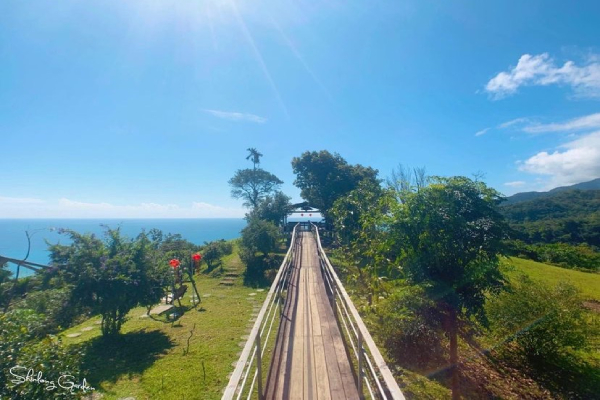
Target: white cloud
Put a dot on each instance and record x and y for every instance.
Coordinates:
(540, 70)
(575, 161)
(516, 121)
(482, 132)
(67, 208)
(237, 116)
(515, 184)
(591, 121)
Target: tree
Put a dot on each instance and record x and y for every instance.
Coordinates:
(110, 278)
(449, 237)
(272, 208)
(253, 185)
(403, 179)
(324, 177)
(260, 236)
(254, 156)
(213, 251)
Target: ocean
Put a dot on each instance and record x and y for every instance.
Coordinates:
(13, 241)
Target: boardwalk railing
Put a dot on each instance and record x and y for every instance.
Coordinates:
(248, 370)
(372, 372)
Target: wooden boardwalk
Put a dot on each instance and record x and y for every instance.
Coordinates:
(309, 360)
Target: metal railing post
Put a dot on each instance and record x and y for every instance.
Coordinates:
(333, 300)
(259, 367)
(360, 364)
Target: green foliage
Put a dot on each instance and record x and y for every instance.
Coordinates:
(564, 255)
(5, 274)
(5, 287)
(172, 246)
(213, 251)
(409, 329)
(272, 208)
(545, 321)
(571, 216)
(350, 213)
(253, 185)
(324, 177)
(22, 344)
(53, 304)
(450, 236)
(59, 365)
(260, 236)
(112, 277)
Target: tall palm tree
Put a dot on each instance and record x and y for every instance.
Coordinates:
(255, 155)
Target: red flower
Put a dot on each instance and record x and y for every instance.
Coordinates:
(174, 263)
(197, 257)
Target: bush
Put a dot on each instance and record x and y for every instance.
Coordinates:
(20, 346)
(53, 305)
(213, 251)
(543, 321)
(260, 236)
(409, 330)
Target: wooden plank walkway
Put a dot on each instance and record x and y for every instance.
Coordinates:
(309, 360)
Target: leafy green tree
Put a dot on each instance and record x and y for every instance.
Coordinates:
(350, 212)
(324, 177)
(355, 217)
(260, 236)
(213, 251)
(272, 208)
(110, 278)
(253, 185)
(449, 238)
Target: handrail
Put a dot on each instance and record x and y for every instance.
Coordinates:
(372, 368)
(264, 322)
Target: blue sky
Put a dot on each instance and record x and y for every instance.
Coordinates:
(146, 108)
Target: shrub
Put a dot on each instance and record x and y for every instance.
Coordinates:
(53, 305)
(20, 345)
(542, 320)
(260, 236)
(408, 329)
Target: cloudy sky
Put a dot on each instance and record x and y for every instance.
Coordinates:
(145, 108)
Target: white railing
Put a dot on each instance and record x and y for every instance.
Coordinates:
(373, 375)
(259, 336)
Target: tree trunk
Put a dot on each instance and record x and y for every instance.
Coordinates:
(453, 336)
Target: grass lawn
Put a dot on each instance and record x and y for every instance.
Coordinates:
(587, 282)
(151, 359)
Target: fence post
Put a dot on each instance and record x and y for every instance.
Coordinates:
(360, 364)
(259, 366)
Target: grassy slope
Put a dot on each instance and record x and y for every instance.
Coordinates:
(149, 361)
(589, 283)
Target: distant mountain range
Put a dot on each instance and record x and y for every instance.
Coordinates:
(526, 196)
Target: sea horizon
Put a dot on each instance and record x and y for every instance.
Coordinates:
(45, 231)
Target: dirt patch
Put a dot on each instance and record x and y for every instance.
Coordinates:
(592, 305)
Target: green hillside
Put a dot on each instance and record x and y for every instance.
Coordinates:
(588, 283)
(568, 216)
